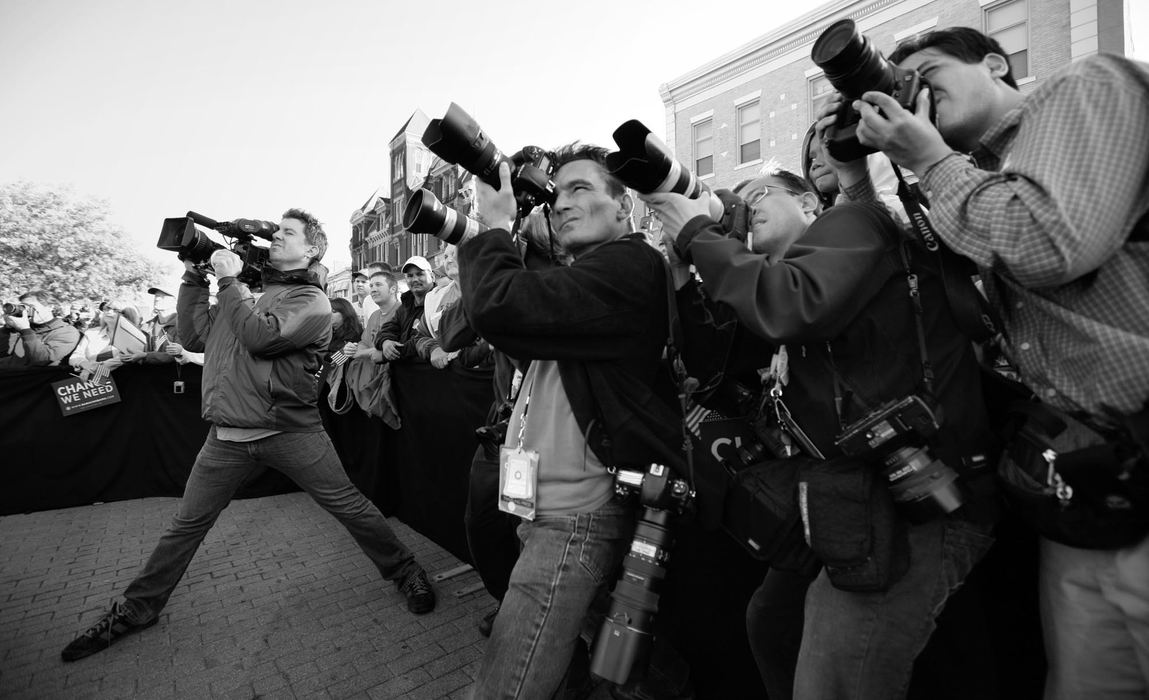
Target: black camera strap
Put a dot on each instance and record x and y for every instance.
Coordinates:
(971, 311)
(674, 340)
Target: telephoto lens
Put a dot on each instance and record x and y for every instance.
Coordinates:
(424, 213)
(850, 61)
(624, 639)
(457, 138)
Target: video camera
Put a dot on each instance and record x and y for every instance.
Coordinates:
(181, 235)
(458, 139)
(853, 66)
(625, 636)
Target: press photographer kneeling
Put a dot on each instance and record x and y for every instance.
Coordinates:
(884, 386)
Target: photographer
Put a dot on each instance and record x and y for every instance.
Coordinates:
(259, 392)
(595, 396)
(837, 292)
(1053, 211)
(39, 337)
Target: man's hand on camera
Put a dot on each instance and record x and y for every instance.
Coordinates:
(226, 264)
(909, 138)
(849, 172)
(674, 210)
(497, 209)
(391, 349)
(18, 323)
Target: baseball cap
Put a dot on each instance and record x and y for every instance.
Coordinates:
(365, 272)
(418, 261)
(157, 291)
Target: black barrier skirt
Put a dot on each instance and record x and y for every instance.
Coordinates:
(431, 454)
(143, 446)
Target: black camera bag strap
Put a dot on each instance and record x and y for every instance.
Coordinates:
(972, 312)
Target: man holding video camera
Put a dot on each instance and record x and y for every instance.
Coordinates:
(1053, 209)
(867, 334)
(595, 396)
(41, 339)
(259, 392)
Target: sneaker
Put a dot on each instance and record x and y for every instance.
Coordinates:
(488, 622)
(417, 589)
(109, 629)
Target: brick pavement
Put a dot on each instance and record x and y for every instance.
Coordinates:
(278, 603)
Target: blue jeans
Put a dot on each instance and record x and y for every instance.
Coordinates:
(564, 570)
(310, 461)
(863, 645)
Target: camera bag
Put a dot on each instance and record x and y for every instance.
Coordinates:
(761, 513)
(852, 526)
(1074, 484)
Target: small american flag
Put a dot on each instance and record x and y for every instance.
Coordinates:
(338, 357)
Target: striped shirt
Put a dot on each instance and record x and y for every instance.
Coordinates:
(1063, 180)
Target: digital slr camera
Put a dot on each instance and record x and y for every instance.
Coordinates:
(181, 236)
(625, 636)
(896, 435)
(853, 66)
(458, 139)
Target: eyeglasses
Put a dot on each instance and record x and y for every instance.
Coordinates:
(753, 201)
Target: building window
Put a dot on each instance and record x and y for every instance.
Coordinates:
(1008, 22)
(397, 167)
(704, 148)
(749, 133)
(820, 92)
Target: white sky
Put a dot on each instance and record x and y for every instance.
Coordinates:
(244, 108)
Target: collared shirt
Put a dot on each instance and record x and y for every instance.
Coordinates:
(1064, 178)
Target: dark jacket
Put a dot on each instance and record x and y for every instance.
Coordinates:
(840, 302)
(261, 357)
(604, 319)
(47, 344)
(401, 326)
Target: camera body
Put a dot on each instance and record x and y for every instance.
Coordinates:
(458, 139)
(14, 310)
(853, 66)
(896, 435)
(625, 636)
(181, 236)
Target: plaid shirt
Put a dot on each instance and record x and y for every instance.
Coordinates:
(1065, 179)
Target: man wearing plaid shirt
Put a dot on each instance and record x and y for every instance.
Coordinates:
(1053, 210)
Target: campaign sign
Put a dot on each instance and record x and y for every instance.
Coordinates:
(78, 395)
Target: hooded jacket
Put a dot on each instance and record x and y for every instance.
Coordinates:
(262, 356)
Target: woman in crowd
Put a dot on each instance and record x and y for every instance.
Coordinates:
(96, 345)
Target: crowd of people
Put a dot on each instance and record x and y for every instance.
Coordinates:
(817, 309)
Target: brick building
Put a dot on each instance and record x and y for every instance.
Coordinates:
(377, 233)
(726, 118)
